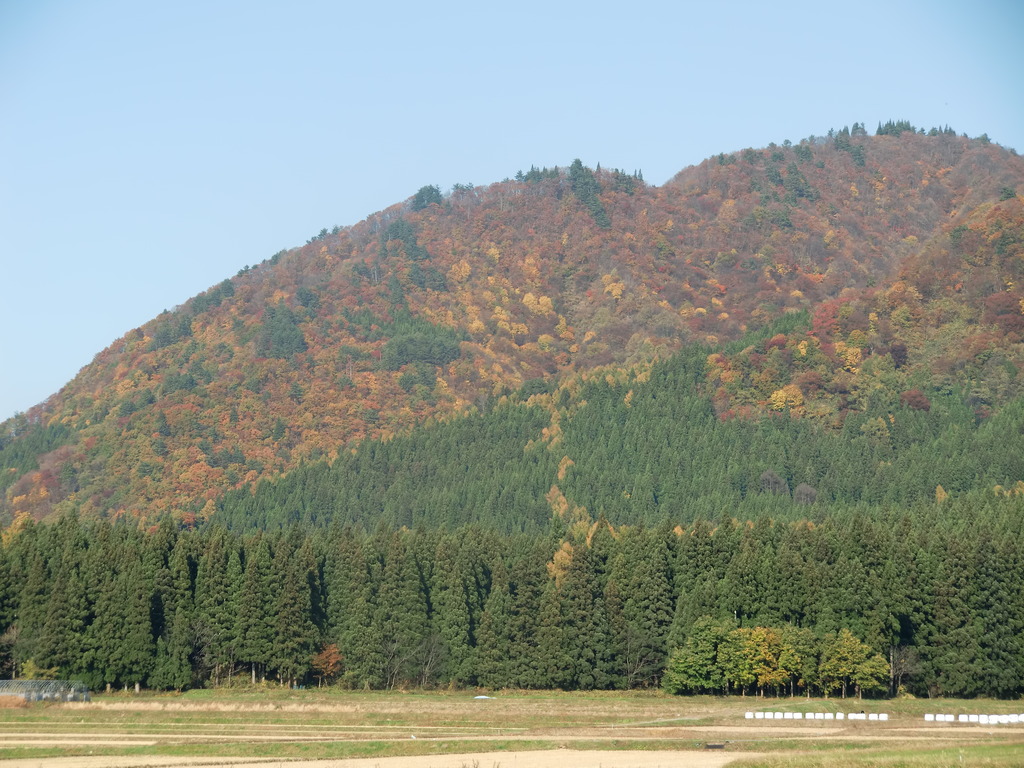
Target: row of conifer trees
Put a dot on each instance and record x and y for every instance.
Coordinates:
(931, 603)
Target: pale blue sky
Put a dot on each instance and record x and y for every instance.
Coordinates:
(149, 150)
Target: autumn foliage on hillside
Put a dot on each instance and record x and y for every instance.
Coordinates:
(905, 250)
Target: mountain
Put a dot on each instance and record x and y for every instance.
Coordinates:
(826, 283)
(758, 429)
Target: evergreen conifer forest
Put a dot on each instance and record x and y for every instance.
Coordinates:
(925, 600)
(757, 431)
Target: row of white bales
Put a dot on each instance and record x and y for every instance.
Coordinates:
(815, 716)
(983, 719)
(882, 717)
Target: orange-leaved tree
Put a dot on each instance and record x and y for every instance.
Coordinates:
(327, 663)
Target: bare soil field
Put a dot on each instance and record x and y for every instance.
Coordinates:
(332, 729)
(536, 759)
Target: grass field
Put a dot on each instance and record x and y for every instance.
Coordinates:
(284, 725)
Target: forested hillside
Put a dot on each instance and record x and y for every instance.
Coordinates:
(902, 248)
(646, 447)
(760, 429)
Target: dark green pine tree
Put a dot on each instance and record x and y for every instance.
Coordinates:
(172, 667)
(280, 334)
(586, 636)
(842, 594)
(235, 574)
(900, 579)
(493, 641)
(880, 625)
(429, 195)
(619, 631)
(33, 572)
(8, 613)
(422, 548)
(586, 187)
(784, 576)
(740, 589)
(296, 635)
(352, 578)
(694, 559)
(133, 656)
(725, 545)
(953, 654)
(255, 618)
(527, 580)
(999, 608)
(61, 641)
(108, 606)
(452, 619)
(401, 615)
(647, 609)
(157, 550)
(552, 666)
(603, 547)
(339, 566)
(215, 605)
(701, 601)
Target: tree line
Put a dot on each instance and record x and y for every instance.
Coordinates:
(931, 601)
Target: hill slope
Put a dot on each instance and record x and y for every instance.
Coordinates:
(904, 250)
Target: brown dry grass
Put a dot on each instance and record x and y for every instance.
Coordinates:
(538, 759)
(435, 726)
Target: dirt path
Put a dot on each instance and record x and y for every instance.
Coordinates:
(556, 758)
